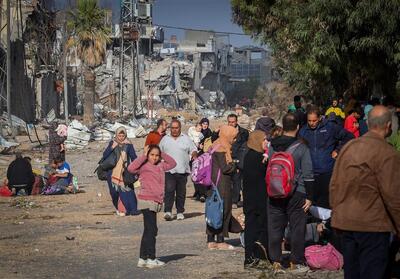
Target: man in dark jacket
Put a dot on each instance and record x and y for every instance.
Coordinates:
(239, 147)
(365, 198)
(292, 209)
(20, 175)
(325, 139)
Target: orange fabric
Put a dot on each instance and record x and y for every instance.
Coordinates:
(226, 137)
(153, 138)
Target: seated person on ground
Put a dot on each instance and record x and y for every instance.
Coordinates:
(20, 176)
(60, 177)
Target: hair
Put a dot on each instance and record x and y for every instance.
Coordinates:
(357, 110)
(290, 122)
(29, 159)
(232, 115)
(160, 122)
(18, 155)
(58, 160)
(313, 109)
(379, 121)
(277, 131)
(296, 99)
(265, 112)
(151, 147)
(174, 120)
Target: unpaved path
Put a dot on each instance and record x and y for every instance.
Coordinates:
(34, 232)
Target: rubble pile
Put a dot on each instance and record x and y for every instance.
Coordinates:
(78, 135)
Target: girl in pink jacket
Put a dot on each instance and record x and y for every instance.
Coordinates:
(151, 169)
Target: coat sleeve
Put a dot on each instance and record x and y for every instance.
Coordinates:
(169, 162)
(223, 165)
(108, 150)
(342, 136)
(134, 167)
(131, 152)
(389, 177)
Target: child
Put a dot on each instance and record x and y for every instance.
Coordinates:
(195, 134)
(151, 168)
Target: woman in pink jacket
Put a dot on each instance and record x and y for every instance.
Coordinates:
(151, 169)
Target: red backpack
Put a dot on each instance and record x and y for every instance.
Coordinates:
(280, 177)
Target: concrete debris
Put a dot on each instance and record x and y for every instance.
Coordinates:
(101, 134)
(133, 132)
(78, 135)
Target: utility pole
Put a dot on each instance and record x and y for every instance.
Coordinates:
(9, 64)
(66, 114)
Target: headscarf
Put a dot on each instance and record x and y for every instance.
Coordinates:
(119, 131)
(227, 135)
(265, 124)
(367, 109)
(256, 140)
(62, 130)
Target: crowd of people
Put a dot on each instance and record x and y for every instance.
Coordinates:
(340, 187)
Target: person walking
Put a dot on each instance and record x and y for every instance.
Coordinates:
(182, 149)
(123, 197)
(351, 123)
(293, 208)
(255, 199)
(154, 137)
(364, 195)
(151, 168)
(325, 139)
(222, 171)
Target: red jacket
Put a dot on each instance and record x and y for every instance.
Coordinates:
(349, 125)
(152, 177)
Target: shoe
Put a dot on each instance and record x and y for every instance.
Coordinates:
(168, 216)
(277, 268)
(154, 263)
(211, 246)
(180, 216)
(251, 263)
(224, 246)
(298, 268)
(142, 263)
(202, 199)
(120, 214)
(261, 249)
(234, 206)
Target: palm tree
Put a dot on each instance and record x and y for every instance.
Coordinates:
(89, 36)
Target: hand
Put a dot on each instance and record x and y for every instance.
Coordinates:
(307, 205)
(334, 154)
(356, 124)
(146, 150)
(194, 155)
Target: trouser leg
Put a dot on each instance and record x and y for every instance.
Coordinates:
(128, 199)
(148, 243)
(321, 190)
(236, 187)
(181, 180)
(350, 256)
(297, 228)
(170, 188)
(277, 221)
(250, 233)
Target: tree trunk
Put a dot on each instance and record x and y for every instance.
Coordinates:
(88, 106)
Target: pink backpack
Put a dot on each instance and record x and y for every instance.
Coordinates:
(280, 176)
(202, 168)
(323, 257)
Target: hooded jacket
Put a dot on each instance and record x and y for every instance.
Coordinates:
(322, 141)
(301, 157)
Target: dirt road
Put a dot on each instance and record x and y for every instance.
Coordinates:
(78, 236)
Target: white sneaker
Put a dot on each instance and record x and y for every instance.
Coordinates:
(168, 216)
(142, 263)
(154, 263)
(121, 214)
(180, 216)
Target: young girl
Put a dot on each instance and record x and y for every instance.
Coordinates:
(151, 168)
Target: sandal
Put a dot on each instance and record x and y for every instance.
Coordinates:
(224, 246)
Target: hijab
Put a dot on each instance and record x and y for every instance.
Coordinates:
(227, 135)
(256, 140)
(120, 130)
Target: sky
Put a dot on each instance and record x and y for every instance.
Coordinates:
(198, 14)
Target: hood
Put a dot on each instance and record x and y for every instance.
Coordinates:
(265, 124)
(282, 143)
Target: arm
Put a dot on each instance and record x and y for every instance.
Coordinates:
(131, 152)
(342, 136)
(389, 178)
(134, 167)
(349, 125)
(224, 166)
(108, 150)
(169, 162)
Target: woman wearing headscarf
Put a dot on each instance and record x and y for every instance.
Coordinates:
(224, 166)
(123, 197)
(255, 199)
(56, 143)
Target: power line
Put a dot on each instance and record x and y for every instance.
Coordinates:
(201, 30)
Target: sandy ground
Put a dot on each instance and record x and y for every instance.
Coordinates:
(78, 236)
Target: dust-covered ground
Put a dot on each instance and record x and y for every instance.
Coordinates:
(78, 236)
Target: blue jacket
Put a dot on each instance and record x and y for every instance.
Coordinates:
(322, 141)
